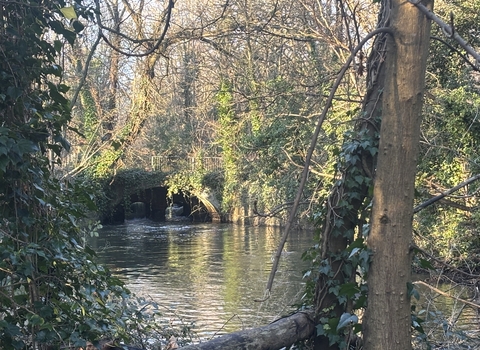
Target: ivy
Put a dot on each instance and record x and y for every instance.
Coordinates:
(344, 273)
(53, 293)
(227, 142)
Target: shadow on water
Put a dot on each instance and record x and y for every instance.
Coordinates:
(208, 274)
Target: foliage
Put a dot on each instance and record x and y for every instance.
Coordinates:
(349, 291)
(52, 292)
(448, 151)
(195, 181)
(227, 140)
(90, 119)
(261, 89)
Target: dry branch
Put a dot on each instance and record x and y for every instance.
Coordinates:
(281, 333)
(448, 30)
(446, 193)
(436, 290)
(313, 144)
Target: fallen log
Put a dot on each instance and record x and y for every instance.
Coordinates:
(281, 333)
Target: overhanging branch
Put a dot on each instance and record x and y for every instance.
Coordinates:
(446, 193)
(448, 30)
(313, 143)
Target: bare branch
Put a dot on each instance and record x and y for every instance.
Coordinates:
(446, 193)
(436, 290)
(450, 267)
(85, 70)
(313, 143)
(450, 46)
(157, 44)
(449, 30)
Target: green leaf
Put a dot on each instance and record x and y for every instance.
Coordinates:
(69, 36)
(14, 92)
(349, 289)
(36, 320)
(412, 291)
(3, 163)
(320, 329)
(354, 251)
(69, 12)
(359, 179)
(426, 264)
(57, 44)
(78, 26)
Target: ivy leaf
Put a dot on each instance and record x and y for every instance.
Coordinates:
(411, 291)
(36, 320)
(359, 179)
(349, 289)
(354, 251)
(78, 26)
(57, 44)
(69, 12)
(346, 320)
(3, 163)
(425, 264)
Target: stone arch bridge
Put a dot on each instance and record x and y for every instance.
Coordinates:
(142, 193)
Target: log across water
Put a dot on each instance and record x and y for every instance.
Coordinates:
(281, 333)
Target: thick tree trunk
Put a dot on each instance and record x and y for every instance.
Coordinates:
(387, 323)
(281, 333)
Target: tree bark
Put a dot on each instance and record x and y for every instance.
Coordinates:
(387, 322)
(335, 242)
(281, 333)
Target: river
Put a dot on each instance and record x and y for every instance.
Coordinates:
(207, 274)
(210, 275)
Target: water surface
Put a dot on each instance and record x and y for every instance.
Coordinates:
(209, 274)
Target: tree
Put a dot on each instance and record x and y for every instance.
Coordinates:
(258, 73)
(52, 291)
(390, 237)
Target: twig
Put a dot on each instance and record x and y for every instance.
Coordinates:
(450, 46)
(415, 247)
(153, 48)
(224, 324)
(436, 290)
(85, 70)
(313, 144)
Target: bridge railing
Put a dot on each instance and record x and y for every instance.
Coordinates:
(172, 163)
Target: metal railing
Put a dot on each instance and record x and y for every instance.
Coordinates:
(173, 163)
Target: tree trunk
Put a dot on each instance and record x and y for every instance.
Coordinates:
(281, 333)
(387, 323)
(340, 203)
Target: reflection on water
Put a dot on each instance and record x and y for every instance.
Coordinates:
(209, 274)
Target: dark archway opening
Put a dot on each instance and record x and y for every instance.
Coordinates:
(153, 204)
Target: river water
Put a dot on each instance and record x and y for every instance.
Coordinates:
(208, 274)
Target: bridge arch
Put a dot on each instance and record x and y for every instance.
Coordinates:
(151, 201)
(211, 203)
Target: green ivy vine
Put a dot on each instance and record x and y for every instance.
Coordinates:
(344, 272)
